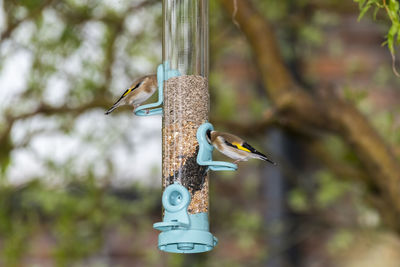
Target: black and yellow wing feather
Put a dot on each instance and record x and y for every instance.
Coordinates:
(127, 91)
(248, 148)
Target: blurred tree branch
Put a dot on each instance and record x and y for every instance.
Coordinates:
(12, 25)
(44, 109)
(304, 111)
(71, 15)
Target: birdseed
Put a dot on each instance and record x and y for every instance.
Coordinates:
(186, 106)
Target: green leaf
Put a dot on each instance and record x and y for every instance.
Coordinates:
(376, 10)
(390, 37)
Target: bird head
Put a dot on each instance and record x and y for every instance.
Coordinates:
(208, 134)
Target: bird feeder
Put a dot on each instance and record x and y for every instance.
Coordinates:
(186, 154)
(185, 226)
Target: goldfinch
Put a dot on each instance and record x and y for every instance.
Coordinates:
(139, 92)
(234, 147)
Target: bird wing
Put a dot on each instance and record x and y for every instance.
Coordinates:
(233, 141)
(252, 149)
(237, 146)
(127, 91)
(245, 147)
(242, 147)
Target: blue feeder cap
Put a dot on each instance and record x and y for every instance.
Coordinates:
(183, 232)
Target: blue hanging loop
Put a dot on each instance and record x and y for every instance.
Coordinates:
(204, 157)
(151, 109)
(182, 232)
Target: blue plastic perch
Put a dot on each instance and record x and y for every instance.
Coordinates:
(204, 157)
(163, 73)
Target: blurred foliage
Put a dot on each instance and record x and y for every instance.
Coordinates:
(341, 240)
(330, 189)
(75, 217)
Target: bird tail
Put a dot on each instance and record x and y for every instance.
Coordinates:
(112, 108)
(263, 157)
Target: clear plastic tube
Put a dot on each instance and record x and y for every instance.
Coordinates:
(186, 97)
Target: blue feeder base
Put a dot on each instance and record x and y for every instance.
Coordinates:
(189, 240)
(182, 232)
